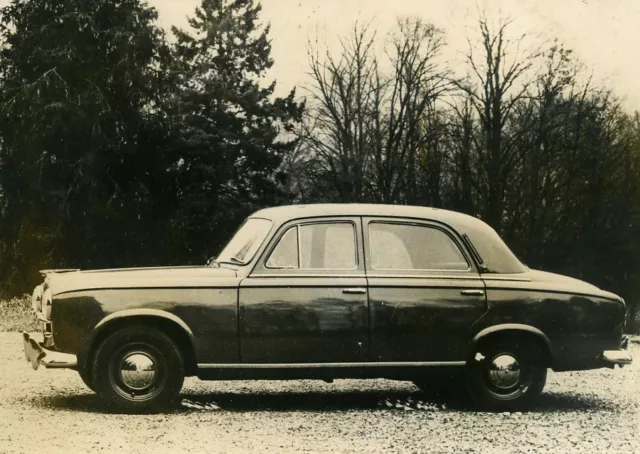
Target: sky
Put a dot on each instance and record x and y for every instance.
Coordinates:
(604, 34)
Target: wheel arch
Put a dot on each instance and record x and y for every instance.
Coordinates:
(516, 329)
(166, 322)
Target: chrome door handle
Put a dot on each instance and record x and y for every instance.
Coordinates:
(472, 292)
(355, 291)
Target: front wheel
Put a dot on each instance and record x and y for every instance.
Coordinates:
(85, 375)
(138, 369)
(506, 375)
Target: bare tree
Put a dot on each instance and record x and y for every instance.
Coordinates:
(343, 110)
(500, 79)
(525, 141)
(418, 80)
(369, 132)
(463, 138)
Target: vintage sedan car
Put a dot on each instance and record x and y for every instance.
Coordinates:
(325, 292)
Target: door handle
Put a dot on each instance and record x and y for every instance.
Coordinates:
(472, 292)
(354, 291)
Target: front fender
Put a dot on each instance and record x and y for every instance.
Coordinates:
(170, 321)
(207, 316)
(132, 313)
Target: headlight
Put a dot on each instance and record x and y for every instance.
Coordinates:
(36, 298)
(46, 304)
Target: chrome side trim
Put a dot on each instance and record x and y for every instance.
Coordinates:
(289, 275)
(385, 276)
(465, 270)
(502, 278)
(396, 276)
(421, 276)
(329, 365)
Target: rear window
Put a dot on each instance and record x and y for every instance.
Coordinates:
(495, 254)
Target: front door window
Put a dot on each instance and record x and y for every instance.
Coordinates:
(328, 246)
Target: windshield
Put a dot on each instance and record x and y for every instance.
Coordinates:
(245, 242)
(495, 254)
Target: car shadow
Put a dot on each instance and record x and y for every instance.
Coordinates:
(89, 403)
(329, 402)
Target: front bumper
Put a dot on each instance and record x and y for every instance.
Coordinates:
(37, 354)
(620, 357)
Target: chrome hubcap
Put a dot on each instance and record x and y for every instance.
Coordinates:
(504, 371)
(138, 371)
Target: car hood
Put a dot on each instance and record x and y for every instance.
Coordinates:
(559, 282)
(64, 281)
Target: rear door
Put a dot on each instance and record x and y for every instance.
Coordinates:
(424, 291)
(306, 302)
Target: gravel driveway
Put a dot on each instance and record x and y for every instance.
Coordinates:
(51, 411)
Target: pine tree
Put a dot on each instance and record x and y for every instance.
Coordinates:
(233, 131)
(80, 134)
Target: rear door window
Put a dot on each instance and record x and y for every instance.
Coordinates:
(397, 246)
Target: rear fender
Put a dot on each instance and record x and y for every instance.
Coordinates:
(514, 328)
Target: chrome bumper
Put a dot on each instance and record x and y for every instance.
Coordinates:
(620, 357)
(36, 354)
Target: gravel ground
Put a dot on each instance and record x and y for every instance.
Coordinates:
(51, 411)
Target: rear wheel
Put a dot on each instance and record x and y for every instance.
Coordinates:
(506, 375)
(138, 369)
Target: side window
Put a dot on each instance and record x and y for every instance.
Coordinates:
(413, 247)
(316, 246)
(285, 254)
(329, 246)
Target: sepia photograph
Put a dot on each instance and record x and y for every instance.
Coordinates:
(319, 226)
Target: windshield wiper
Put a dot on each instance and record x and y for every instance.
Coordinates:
(232, 260)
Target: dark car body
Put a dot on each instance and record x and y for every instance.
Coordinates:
(390, 311)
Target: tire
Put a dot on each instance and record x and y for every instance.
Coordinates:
(85, 375)
(138, 369)
(506, 375)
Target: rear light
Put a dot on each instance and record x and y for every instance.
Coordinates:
(36, 299)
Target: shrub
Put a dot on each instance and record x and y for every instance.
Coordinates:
(16, 314)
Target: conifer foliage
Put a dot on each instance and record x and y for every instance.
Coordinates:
(120, 147)
(230, 124)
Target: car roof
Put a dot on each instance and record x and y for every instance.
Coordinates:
(284, 213)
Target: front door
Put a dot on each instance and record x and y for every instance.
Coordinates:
(306, 301)
(424, 291)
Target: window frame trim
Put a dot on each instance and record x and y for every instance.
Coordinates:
(393, 272)
(277, 243)
(354, 221)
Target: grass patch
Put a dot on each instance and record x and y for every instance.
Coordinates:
(16, 314)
